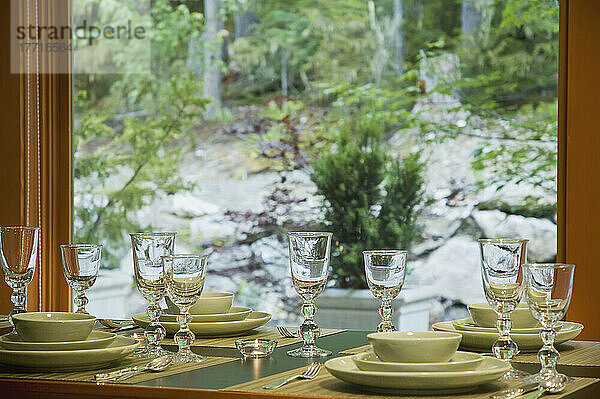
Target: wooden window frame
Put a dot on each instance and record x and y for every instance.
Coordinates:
(578, 216)
(37, 183)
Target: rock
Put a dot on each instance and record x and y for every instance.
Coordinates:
(186, 204)
(212, 229)
(228, 258)
(271, 251)
(452, 271)
(541, 233)
(440, 222)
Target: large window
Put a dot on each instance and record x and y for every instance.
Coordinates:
(421, 124)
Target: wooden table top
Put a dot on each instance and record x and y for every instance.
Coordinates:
(233, 377)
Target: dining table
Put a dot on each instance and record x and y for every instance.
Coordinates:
(226, 374)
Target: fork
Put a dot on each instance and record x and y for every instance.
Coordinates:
(285, 332)
(310, 373)
(117, 325)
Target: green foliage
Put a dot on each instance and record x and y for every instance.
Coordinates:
(371, 200)
(123, 162)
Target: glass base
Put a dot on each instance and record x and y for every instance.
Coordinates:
(309, 351)
(144, 354)
(537, 378)
(189, 357)
(514, 374)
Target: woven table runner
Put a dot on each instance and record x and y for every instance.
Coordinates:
(261, 332)
(325, 385)
(88, 376)
(354, 351)
(573, 353)
(5, 327)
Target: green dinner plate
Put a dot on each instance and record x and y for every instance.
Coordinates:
(69, 360)
(488, 370)
(97, 339)
(235, 313)
(212, 329)
(469, 325)
(461, 361)
(482, 341)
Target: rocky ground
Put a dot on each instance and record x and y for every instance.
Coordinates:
(248, 253)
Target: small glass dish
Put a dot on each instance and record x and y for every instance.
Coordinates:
(255, 348)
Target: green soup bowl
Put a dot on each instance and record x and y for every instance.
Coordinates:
(484, 316)
(208, 303)
(53, 326)
(415, 346)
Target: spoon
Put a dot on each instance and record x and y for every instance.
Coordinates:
(158, 364)
(116, 324)
(552, 384)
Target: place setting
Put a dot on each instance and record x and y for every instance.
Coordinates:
(204, 314)
(212, 316)
(414, 362)
(480, 331)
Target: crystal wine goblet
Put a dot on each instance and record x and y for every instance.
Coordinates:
(184, 278)
(148, 250)
(18, 257)
(549, 287)
(81, 263)
(502, 276)
(385, 271)
(309, 264)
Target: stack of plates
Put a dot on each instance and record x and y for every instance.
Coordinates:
(98, 350)
(463, 372)
(477, 338)
(236, 321)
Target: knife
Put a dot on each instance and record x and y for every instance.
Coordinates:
(514, 392)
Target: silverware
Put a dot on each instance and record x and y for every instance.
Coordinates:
(285, 332)
(554, 384)
(117, 325)
(114, 324)
(310, 373)
(158, 364)
(514, 392)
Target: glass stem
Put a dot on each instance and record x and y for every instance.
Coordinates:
(548, 355)
(18, 298)
(81, 300)
(385, 311)
(154, 333)
(184, 337)
(309, 331)
(504, 348)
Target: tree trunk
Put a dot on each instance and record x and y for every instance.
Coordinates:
(399, 37)
(284, 72)
(476, 19)
(242, 23)
(212, 56)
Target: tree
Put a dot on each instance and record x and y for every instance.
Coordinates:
(128, 150)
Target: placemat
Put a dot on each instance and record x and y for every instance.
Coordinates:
(354, 351)
(328, 386)
(5, 327)
(572, 353)
(88, 376)
(267, 332)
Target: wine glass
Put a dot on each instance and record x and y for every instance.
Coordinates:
(502, 275)
(549, 287)
(81, 263)
(148, 250)
(385, 271)
(184, 278)
(309, 264)
(18, 257)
